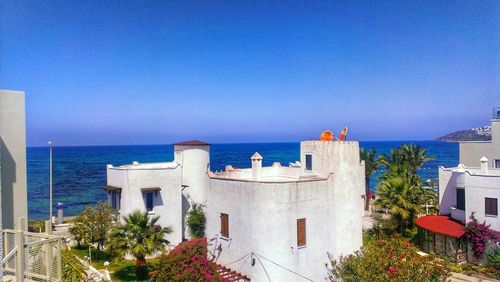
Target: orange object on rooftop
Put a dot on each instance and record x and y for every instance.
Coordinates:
(326, 135)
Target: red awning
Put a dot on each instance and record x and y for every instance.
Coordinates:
(441, 224)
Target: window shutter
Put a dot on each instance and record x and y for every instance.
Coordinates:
(491, 206)
(224, 225)
(301, 232)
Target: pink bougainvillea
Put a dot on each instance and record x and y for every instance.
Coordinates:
(479, 234)
(187, 262)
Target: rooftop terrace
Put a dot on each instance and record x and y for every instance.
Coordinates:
(145, 166)
(275, 173)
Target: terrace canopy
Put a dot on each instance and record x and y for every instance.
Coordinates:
(443, 236)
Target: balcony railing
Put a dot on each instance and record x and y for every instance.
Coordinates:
(496, 113)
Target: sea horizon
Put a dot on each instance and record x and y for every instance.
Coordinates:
(231, 143)
(79, 172)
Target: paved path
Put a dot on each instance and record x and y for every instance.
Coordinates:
(459, 277)
(368, 222)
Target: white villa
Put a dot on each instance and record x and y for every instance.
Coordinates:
(474, 185)
(471, 187)
(269, 223)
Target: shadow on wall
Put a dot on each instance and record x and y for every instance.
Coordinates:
(8, 178)
(450, 196)
(185, 208)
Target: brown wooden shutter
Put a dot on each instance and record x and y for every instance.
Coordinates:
(301, 232)
(224, 225)
(491, 206)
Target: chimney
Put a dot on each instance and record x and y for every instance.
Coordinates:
(484, 165)
(256, 166)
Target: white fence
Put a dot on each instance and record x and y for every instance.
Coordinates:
(31, 256)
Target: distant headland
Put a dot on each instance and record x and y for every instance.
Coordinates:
(473, 134)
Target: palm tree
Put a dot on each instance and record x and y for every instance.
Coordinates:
(415, 156)
(138, 236)
(371, 165)
(401, 199)
(400, 189)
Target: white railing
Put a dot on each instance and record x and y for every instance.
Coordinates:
(31, 256)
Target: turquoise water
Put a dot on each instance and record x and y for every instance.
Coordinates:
(80, 172)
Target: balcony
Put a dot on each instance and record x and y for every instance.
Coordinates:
(458, 214)
(496, 113)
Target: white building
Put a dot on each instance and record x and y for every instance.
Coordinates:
(474, 185)
(472, 151)
(289, 217)
(164, 189)
(274, 223)
(14, 200)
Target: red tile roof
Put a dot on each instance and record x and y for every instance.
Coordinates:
(441, 224)
(193, 143)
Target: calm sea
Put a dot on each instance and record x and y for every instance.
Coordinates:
(80, 172)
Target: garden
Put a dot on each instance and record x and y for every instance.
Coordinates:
(134, 249)
(390, 249)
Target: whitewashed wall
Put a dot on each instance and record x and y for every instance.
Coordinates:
(477, 188)
(167, 202)
(263, 216)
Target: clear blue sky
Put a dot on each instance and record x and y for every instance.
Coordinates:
(146, 72)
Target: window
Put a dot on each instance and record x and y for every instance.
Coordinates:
(491, 206)
(115, 200)
(149, 201)
(497, 163)
(301, 232)
(224, 225)
(309, 162)
(461, 199)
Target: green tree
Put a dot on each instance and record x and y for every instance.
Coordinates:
(138, 236)
(415, 156)
(371, 165)
(401, 199)
(196, 221)
(93, 224)
(400, 190)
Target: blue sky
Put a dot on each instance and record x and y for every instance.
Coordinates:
(146, 72)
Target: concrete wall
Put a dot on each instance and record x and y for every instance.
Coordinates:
(263, 216)
(472, 152)
(13, 157)
(167, 202)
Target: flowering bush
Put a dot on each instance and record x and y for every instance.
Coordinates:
(187, 262)
(393, 259)
(479, 234)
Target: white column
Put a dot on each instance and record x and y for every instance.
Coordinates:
(484, 165)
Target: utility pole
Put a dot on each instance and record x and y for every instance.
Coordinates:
(50, 182)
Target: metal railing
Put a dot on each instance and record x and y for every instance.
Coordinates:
(31, 256)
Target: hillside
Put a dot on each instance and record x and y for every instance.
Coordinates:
(473, 134)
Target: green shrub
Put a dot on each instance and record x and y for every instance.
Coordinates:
(196, 221)
(493, 257)
(389, 260)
